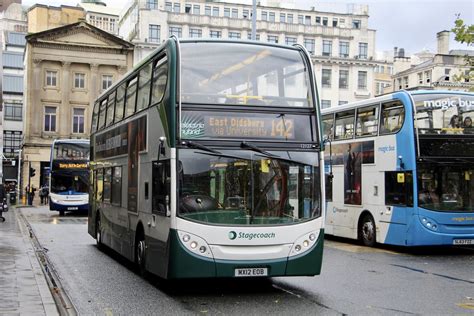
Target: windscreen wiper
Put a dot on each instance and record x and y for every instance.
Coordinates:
(195, 145)
(220, 155)
(246, 145)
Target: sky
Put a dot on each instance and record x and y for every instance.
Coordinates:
(408, 24)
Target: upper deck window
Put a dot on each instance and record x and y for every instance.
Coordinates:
(243, 74)
(328, 126)
(95, 117)
(344, 125)
(71, 151)
(131, 97)
(393, 116)
(367, 121)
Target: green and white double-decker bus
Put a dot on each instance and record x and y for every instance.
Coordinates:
(207, 161)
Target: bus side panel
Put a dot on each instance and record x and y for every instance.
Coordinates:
(398, 227)
(157, 251)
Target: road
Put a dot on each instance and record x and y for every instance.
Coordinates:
(355, 280)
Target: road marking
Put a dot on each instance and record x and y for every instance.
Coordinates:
(466, 305)
(356, 248)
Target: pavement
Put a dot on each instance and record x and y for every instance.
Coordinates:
(23, 286)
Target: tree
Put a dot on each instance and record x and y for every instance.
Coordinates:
(465, 34)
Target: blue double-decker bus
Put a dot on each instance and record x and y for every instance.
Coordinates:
(401, 169)
(69, 180)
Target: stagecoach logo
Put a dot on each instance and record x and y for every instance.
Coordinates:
(249, 236)
(446, 104)
(232, 235)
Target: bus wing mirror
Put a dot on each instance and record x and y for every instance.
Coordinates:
(161, 147)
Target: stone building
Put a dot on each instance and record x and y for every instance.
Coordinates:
(444, 70)
(66, 69)
(43, 17)
(341, 44)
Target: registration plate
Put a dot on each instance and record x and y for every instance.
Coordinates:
(251, 272)
(463, 242)
(72, 208)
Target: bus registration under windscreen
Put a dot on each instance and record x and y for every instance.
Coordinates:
(207, 162)
(402, 169)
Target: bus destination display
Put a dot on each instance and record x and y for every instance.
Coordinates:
(259, 126)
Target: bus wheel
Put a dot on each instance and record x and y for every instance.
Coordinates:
(98, 232)
(61, 213)
(367, 230)
(140, 254)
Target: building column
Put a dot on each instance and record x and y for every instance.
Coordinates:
(96, 85)
(64, 115)
(33, 124)
(95, 88)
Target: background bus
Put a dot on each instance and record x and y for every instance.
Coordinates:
(69, 179)
(403, 167)
(207, 162)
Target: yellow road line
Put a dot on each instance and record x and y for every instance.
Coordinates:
(356, 248)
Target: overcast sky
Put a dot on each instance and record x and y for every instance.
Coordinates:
(409, 24)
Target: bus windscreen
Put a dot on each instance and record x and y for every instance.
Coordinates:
(439, 114)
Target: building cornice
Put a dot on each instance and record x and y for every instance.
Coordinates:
(51, 101)
(76, 28)
(343, 61)
(73, 102)
(81, 48)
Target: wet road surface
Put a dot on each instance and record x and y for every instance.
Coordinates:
(355, 280)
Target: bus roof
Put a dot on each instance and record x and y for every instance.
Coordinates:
(71, 141)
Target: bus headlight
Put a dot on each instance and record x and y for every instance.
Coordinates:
(429, 223)
(195, 244)
(303, 243)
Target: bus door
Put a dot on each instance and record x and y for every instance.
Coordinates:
(398, 205)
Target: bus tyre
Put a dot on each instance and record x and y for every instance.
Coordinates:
(367, 230)
(140, 254)
(98, 232)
